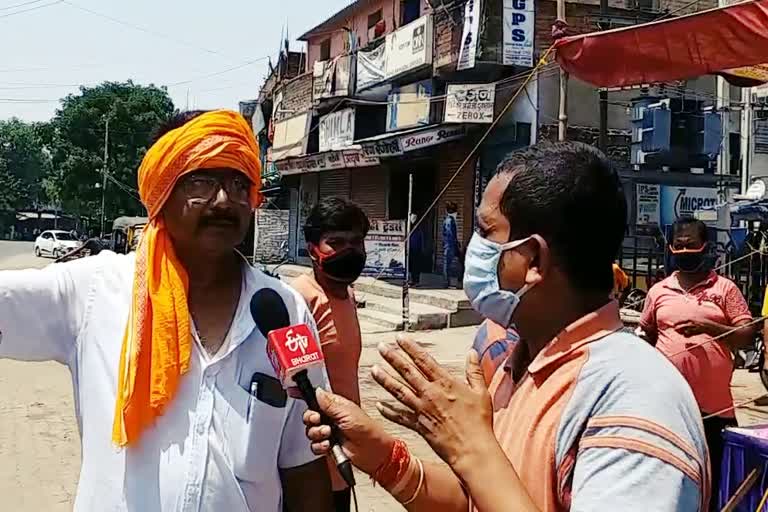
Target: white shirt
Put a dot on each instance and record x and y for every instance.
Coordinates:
(216, 448)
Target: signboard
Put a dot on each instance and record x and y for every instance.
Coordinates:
(760, 136)
(470, 103)
(676, 202)
(409, 47)
(337, 129)
(438, 135)
(383, 148)
(347, 159)
(290, 137)
(647, 199)
(331, 78)
(371, 66)
(470, 35)
(408, 106)
(519, 22)
(385, 248)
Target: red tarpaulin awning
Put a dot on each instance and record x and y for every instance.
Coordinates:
(675, 49)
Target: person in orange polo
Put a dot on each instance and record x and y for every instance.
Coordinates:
(335, 231)
(582, 416)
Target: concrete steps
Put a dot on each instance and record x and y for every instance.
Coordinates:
(430, 308)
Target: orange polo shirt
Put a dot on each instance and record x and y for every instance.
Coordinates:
(339, 330)
(601, 421)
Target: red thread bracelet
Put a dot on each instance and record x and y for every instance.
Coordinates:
(395, 467)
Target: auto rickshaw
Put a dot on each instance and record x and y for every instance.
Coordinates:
(126, 233)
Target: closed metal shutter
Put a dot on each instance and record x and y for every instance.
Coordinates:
(369, 190)
(334, 183)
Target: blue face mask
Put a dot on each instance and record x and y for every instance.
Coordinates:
(481, 280)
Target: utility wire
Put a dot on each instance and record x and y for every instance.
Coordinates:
(6, 8)
(31, 9)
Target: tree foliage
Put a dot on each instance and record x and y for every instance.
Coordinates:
(76, 137)
(24, 164)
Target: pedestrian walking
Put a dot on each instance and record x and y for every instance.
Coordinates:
(416, 251)
(451, 249)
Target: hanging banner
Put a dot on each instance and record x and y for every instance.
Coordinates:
(409, 106)
(470, 103)
(337, 129)
(647, 201)
(470, 36)
(409, 47)
(371, 67)
(385, 249)
(519, 22)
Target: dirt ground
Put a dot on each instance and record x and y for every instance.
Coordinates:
(40, 446)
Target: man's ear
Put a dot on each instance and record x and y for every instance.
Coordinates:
(312, 250)
(540, 260)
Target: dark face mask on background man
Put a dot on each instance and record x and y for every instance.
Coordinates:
(690, 260)
(343, 266)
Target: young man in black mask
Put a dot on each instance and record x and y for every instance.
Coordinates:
(692, 317)
(335, 231)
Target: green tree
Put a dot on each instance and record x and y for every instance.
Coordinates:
(24, 165)
(77, 138)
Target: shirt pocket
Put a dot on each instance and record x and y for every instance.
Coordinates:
(254, 431)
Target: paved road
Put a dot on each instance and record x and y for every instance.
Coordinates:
(39, 443)
(14, 255)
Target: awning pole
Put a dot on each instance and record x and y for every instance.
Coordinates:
(562, 117)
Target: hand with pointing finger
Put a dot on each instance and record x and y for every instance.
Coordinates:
(450, 414)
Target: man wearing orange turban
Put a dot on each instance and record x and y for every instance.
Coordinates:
(177, 403)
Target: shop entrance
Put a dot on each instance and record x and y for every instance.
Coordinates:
(424, 191)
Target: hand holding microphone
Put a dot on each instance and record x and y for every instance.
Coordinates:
(293, 351)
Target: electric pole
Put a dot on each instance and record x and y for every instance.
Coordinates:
(104, 175)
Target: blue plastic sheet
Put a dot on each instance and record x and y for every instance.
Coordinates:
(746, 448)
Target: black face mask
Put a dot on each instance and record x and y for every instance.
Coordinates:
(690, 262)
(344, 266)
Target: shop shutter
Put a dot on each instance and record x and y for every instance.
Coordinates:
(369, 190)
(334, 183)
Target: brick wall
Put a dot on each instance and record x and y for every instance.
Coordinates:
(297, 96)
(271, 232)
(618, 140)
(447, 28)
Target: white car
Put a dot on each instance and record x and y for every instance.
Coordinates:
(55, 243)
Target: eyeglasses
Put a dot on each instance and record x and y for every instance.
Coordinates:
(205, 187)
(684, 250)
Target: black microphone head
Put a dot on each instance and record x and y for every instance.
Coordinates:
(269, 311)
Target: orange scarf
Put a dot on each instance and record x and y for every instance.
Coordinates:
(158, 341)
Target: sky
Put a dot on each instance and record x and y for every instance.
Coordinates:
(209, 54)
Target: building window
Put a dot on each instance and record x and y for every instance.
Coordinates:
(409, 11)
(373, 19)
(325, 50)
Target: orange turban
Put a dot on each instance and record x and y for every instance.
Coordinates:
(158, 341)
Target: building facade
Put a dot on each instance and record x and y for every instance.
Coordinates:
(394, 92)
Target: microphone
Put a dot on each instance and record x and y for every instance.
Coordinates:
(293, 351)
